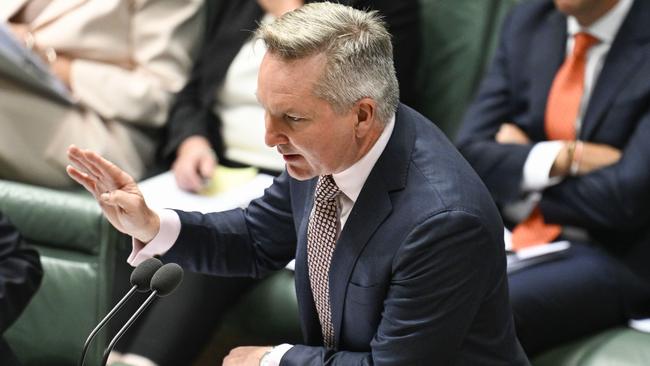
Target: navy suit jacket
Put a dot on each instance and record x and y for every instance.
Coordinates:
(610, 203)
(418, 276)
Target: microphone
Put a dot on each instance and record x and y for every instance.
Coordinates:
(164, 281)
(140, 281)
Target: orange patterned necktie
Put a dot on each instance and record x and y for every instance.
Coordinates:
(562, 110)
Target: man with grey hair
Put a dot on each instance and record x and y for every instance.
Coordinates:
(398, 245)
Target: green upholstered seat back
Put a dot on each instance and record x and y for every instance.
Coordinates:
(458, 39)
(77, 247)
(617, 346)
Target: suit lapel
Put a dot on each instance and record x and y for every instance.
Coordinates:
(372, 208)
(54, 10)
(620, 64)
(545, 63)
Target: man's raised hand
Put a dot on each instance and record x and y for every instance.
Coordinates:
(115, 191)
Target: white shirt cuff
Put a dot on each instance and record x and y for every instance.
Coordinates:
(170, 227)
(275, 356)
(538, 166)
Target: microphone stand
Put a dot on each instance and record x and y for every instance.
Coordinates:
(108, 317)
(126, 326)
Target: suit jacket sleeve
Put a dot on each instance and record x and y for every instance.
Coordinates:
(243, 243)
(500, 166)
(440, 278)
(20, 274)
(613, 198)
(163, 38)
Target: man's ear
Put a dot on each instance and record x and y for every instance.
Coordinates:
(365, 117)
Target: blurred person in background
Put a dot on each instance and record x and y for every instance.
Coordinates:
(122, 61)
(559, 133)
(20, 276)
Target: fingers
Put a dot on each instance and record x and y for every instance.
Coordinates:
(187, 174)
(247, 355)
(109, 175)
(79, 160)
(186, 179)
(121, 199)
(83, 167)
(510, 133)
(206, 166)
(107, 169)
(83, 178)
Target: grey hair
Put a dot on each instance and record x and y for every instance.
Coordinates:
(357, 47)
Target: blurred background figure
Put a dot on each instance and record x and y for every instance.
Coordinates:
(559, 133)
(122, 61)
(20, 276)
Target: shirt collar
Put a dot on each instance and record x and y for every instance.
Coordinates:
(351, 180)
(606, 27)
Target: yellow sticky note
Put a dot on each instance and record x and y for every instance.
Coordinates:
(225, 179)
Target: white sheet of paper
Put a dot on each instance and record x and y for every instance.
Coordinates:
(161, 191)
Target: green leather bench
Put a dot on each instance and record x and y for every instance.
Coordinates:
(77, 247)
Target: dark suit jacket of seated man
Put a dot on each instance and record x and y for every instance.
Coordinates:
(604, 279)
(417, 276)
(20, 276)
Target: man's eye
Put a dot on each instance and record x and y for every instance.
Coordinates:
(293, 118)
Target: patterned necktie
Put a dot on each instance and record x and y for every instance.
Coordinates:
(562, 110)
(321, 239)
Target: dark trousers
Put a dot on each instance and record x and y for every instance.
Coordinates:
(579, 294)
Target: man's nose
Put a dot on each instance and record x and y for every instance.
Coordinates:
(273, 134)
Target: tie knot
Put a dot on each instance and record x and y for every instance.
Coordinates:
(583, 41)
(326, 188)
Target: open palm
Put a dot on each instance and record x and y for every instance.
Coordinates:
(115, 191)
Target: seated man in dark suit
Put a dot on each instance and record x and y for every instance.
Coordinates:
(20, 276)
(559, 133)
(398, 245)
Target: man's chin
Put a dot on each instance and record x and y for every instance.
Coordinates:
(300, 174)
